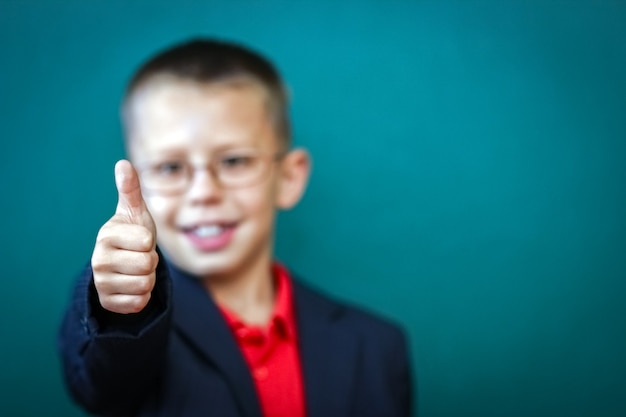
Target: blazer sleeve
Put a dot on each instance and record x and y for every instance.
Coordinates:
(404, 378)
(111, 362)
(388, 372)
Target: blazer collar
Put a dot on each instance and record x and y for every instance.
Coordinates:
(198, 319)
(328, 354)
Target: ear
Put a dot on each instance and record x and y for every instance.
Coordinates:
(293, 177)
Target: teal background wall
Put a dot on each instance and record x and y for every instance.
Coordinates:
(469, 181)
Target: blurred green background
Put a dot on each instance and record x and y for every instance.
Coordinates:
(469, 180)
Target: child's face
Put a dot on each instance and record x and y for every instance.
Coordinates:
(206, 228)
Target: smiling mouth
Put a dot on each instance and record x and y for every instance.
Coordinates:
(208, 231)
(210, 237)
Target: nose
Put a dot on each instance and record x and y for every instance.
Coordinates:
(204, 187)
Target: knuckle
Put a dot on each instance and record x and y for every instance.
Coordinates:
(99, 262)
(102, 284)
(107, 303)
(102, 232)
(96, 264)
(98, 281)
(105, 233)
(103, 240)
(154, 259)
(145, 285)
(145, 263)
(146, 239)
(126, 304)
(138, 303)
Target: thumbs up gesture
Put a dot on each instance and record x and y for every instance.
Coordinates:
(124, 258)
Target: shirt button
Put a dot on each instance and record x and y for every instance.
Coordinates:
(261, 373)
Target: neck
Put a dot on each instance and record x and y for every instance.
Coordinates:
(247, 292)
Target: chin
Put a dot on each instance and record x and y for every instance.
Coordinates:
(208, 268)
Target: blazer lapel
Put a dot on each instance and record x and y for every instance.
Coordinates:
(199, 319)
(328, 355)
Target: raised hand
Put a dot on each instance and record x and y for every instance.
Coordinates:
(124, 258)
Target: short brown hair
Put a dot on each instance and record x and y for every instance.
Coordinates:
(214, 61)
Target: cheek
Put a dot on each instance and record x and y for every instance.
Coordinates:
(163, 210)
(258, 201)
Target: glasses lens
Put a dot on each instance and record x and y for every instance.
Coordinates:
(166, 176)
(239, 167)
(231, 169)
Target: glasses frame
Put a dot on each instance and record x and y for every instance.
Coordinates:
(268, 159)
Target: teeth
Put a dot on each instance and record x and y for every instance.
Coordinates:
(208, 231)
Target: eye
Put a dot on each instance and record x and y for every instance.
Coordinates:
(236, 162)
(169, 169)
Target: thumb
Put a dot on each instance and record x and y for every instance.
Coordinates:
(130, 201)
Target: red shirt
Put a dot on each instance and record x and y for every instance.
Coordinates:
(272, 353)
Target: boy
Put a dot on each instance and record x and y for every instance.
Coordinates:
(207, 324)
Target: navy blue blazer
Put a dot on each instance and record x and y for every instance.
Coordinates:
(180, 358)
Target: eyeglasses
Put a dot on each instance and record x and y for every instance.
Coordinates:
(234, 168)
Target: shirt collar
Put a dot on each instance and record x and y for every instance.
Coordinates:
(283, 318)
